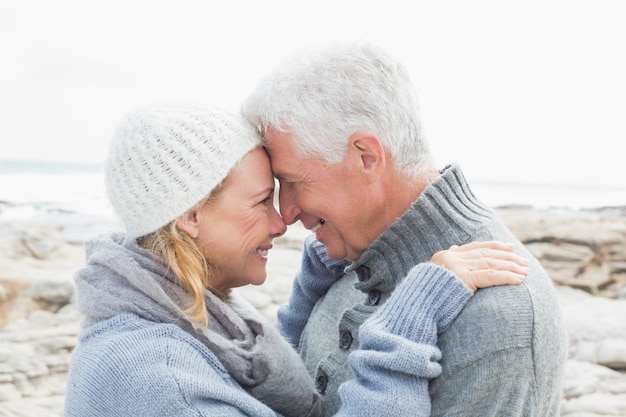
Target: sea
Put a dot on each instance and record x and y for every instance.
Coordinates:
(73, 194)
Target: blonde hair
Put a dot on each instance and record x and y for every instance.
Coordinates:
(184, 257)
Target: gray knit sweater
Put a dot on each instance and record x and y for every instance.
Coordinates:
(505, 353)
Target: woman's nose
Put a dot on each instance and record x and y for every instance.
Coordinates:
(277, 225)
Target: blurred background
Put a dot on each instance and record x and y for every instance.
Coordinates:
(529, 97)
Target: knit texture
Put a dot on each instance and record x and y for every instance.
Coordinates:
(326, 271)
(165, 158)
(398, 353)
(505, 352)
(121, 278)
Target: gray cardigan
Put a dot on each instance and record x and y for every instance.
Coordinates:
(505, 353)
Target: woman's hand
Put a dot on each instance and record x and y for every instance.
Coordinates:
(483, 264)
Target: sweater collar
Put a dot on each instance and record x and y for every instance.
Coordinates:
(447, 213)
(122, 277)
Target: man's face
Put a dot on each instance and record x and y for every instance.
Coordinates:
(326, 199)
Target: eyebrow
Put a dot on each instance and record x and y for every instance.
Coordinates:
(265, 192)
(284, 177)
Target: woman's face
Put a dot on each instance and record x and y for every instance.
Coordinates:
(236, 230)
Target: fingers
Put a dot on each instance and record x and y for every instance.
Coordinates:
(484, 264)
(485, 278)
(489, 244)
(488, 253)
(492, 262)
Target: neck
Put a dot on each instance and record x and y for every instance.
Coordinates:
(398, 194)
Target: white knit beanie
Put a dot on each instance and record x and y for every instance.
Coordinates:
(164, 159)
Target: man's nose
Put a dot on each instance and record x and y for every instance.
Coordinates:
(289, 210)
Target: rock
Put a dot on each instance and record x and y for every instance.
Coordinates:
(584, 252)
(34, 359)
(612, 353)
(41, 242)
(36, 269)
(597, 404)
(584, 249)
(53, 293)
(593, 390)
(596, 327)
(20, 409)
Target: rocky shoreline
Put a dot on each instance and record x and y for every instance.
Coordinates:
(584, 251)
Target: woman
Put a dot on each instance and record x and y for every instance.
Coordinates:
(163, 335)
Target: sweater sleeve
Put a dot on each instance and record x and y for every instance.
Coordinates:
(398, 353)
(152, 372)
(318, 272)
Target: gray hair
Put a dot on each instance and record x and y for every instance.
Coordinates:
(324, 95)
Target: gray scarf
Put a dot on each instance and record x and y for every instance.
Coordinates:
(122, 277)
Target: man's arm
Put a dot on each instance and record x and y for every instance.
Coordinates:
(500, 383)
(398, 354)
(317, 274)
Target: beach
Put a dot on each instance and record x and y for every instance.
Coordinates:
(534, 117)
(584, 251)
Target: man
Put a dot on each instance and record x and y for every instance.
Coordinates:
(341, 125)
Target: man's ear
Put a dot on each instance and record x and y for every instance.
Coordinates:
(369, 154)
(189, 223)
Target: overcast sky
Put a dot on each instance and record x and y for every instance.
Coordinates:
(526, 91)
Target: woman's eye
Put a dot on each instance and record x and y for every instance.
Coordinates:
(268, 200)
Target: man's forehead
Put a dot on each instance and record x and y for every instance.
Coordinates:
(281, 157)
(283, 176)
(287, 169)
